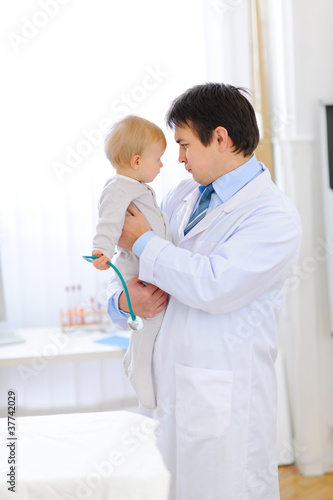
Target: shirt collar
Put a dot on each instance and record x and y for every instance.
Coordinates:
(125, 177)
(228, 184)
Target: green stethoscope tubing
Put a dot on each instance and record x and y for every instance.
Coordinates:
(90, 258)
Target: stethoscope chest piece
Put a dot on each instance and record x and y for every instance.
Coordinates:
(135, 324)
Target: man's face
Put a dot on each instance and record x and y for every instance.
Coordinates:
(199, 160)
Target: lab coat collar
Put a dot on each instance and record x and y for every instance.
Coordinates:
(250, 191)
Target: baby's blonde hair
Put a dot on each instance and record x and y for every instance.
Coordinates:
(129, 137)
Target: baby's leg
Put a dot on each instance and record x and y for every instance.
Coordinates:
(137, 361)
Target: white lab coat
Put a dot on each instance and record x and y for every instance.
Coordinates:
(215, 352)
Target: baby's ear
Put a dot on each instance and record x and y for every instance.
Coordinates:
(135, 162)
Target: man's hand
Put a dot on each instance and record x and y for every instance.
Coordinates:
(147, 301)
(135, 225)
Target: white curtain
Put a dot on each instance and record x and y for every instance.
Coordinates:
(228, 41)
(70, 69)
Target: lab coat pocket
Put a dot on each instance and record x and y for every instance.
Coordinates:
(203, 400)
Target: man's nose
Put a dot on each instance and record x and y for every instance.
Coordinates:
(182, 155)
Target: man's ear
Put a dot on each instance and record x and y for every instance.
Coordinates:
(221, 137)
(135, 162)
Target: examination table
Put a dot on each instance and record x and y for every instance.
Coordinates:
(98, 456)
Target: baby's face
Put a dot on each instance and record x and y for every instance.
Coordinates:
(150, 162)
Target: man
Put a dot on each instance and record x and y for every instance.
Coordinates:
(235, 239)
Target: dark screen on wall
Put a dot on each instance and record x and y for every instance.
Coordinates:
(329, 116)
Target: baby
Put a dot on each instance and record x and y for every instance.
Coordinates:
(134, 147)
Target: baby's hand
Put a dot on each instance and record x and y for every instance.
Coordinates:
(101, 262)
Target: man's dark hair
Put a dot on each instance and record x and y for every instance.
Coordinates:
(205, 107)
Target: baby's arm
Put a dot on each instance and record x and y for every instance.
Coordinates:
(112, 209)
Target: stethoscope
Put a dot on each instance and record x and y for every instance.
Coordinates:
(134, 322)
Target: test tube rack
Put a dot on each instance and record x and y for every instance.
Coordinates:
(83, 319)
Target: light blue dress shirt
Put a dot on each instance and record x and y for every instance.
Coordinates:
(225, 187)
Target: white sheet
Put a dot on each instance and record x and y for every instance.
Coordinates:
(98, 456)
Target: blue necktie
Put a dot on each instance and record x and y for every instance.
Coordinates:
(201, 209)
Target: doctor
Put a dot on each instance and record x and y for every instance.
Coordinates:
(224, 272)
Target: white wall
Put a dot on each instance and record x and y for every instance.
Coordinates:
(299, 53)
